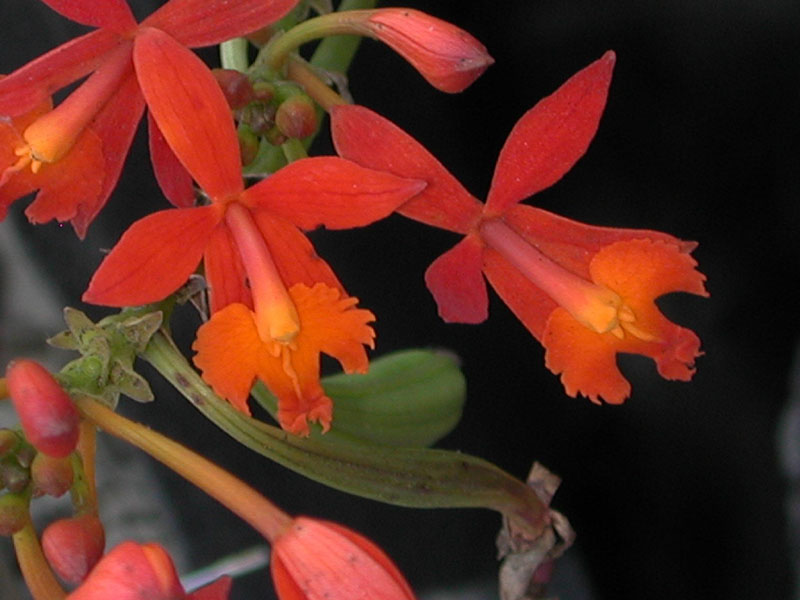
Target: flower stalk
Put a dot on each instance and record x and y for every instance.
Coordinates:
(38, 575)
(241, 499)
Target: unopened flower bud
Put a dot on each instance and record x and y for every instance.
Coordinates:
(132, 571)
(326, 560)
(275, 136)
(47, 414)
(25, 455)
(51, 476)
(13, 513)
(236, 86)
(259, 117)
(264, 90)
(448, 57)
(15, 477)
(248, 144)
(8, 441)
(74, 546)
(297, 117)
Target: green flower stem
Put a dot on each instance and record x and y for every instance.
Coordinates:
(332, 54)
(336, 53)
(336, 23)
(414, 477)
(293, 150)
(85, 486)
(233, 54)
(37, 573)
(317, 89)
(241, 499)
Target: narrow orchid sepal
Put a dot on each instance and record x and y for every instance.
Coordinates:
(330, 191)
(550, 138)
(365, 137)
(114, 15)
(197, 23)
(176, 83)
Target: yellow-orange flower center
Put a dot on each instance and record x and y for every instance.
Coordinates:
(54, 134)
(594, 306)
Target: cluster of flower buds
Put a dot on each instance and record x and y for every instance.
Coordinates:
(274, 111)
(36, 460)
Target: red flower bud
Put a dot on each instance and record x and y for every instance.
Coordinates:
(297, 117)
(134, 571)
(73, 546)
(51, 476)
(48, 416)
(236, 86)
(448, 57)
(316, 560)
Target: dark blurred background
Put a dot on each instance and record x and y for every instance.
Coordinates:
(678, 493)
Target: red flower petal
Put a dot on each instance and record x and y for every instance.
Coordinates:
(457, 284)
(330, 191)
(66, 188)
(197, 23)
(293, 253)
(154, 257)
(190, 109)
(370, 140)
(36, 81)
(114, 15)
(224, 271)
(550, 138)
(173, 179)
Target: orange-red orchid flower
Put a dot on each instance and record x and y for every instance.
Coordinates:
(73, 153)
(316, 560)
(275, 304)
(586, 293)
(134, 571)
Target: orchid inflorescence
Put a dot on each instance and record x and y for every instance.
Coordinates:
(586, 293)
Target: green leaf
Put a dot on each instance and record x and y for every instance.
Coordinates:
(410, 398)
(414, 477)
